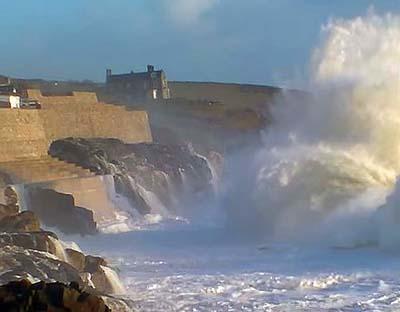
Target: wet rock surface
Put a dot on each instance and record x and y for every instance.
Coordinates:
(19, 262)
(41, 241)
(25, 221)
(27, 252)
(141, 168)
(76, 259)
(11, 207)
(8, 210)
(23, 296)
(92, 264)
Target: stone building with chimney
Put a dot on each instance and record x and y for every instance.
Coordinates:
(149, 85)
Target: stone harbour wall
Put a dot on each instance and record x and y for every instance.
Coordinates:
(28, 133)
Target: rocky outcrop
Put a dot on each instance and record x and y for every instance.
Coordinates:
(42, 241)
(170, 172)
(11, 220)
(95, 272)
(25, 221)
(76, 259)
(92, 264)
(28, 252)
(118, 305)
(20, 262)
(23, 296)
(11, 207)
(8, 210)
(58, 210)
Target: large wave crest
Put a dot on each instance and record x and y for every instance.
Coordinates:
(332, 155)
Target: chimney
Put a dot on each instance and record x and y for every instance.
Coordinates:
(150, 68)
(108, 74)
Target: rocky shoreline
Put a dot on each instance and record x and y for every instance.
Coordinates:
(153, 178)
(33, 255)
(23, 296)
(174, 174)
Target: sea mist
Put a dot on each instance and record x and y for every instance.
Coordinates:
(332, 155)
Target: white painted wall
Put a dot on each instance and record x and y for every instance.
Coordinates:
(15, 101)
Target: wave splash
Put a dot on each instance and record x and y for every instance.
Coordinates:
(333, 155)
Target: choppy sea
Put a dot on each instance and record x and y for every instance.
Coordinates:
(182, 269)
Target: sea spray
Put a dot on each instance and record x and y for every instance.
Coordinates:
(214, 175)
(114, 281)
(59, 249)
(329, 149)
(388, 220)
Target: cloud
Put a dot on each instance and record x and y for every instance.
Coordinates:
(186, 12)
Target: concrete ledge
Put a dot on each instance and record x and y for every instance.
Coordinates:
(93, 193)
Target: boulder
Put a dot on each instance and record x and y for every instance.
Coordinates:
(23, 296)
(92, 264)
(11, 196)
(25, 221)
(107, 281)
(18, 262)
(118, 304)
(8, 210)
(103, 278)
(76, 259)
(42, 241)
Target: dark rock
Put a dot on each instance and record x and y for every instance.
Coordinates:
(56, 209)
(42, 241)
(22, 296)
(8, 210)
(17, 262)
(118, 304)
(92, 264)
(20, 258)
(24, 222)
(151, 167)
(126, 186)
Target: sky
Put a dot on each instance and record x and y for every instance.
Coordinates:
(247, 41)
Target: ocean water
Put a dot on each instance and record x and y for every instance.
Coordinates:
(182, 269)
(311, 218)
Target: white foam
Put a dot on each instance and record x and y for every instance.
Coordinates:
(117, 286)
(328, 151)
(71, 245)
(60, 251)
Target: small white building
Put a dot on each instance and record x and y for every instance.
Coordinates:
(10, 101)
